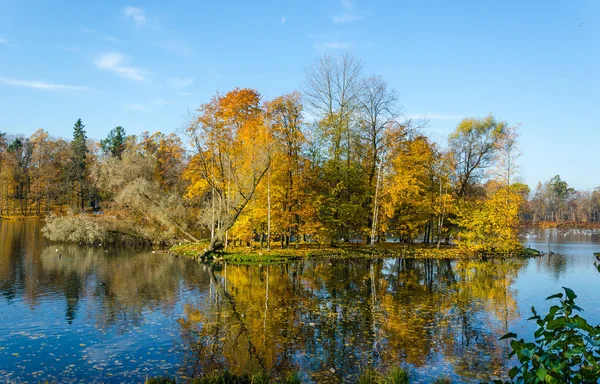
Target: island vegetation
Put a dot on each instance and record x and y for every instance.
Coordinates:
(338, 165)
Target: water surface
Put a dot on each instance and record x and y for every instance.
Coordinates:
(75, 313)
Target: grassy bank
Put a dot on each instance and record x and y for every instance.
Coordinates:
(368, 376)
(254, 254)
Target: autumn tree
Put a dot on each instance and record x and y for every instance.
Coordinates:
(284, 120)
(487, 219)
(3, 197)
(474, 144)
(412, 199)
(168, 155)
(19, 161)
(378, 127)
(332, 91)
(230, 157)
(46, 168)
(491, 226)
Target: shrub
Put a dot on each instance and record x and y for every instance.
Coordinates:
(566, 348)
(73, 228)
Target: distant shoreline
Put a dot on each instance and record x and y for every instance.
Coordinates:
(562, 224)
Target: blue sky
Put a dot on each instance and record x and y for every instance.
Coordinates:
(144, 65)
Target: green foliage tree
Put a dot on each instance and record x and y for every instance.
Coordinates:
(561, 192)
(114, 144)
(77, 167)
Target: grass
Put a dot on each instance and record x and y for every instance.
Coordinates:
(443, 380)
(255, 255)
(226, 377)
(396, 375)
(529, 252)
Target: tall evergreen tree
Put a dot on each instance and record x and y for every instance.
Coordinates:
(78, 171)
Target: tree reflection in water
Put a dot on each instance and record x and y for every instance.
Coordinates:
(327, 318)
(330, 318)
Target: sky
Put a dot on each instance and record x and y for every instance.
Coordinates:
(148, 65)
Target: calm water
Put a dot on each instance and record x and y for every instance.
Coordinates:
(109, 315)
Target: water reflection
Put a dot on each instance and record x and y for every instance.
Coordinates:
(111, 315)
(331, 318)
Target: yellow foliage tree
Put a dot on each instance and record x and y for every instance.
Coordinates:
(490, 226)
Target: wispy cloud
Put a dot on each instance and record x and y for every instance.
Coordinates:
(136, 14)
(349, 13)
(283, 20)
(175, 46)
(4, 41)
(118, 64)
(37, 84)
(177, 82)
(436, 116)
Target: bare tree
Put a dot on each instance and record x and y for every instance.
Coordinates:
(332, 91)
(378, 111)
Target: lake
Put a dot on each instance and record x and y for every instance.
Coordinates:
(74, 313)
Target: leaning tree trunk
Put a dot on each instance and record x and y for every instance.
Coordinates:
(218, 241)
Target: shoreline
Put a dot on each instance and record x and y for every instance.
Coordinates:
(250, 255)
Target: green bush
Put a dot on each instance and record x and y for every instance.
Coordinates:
(566, 348)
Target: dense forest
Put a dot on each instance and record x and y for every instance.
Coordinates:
(337, 162)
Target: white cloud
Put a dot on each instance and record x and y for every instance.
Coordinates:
(175, 46)
(349, 13)
(4, 41)
(436, 116)
(283, 20)
(177, 82)
(37, 84)
(136, 14)
(118, 64)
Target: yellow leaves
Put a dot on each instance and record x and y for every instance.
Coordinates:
(490, 225)
(408, 188)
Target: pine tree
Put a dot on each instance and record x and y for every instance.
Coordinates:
(77, 167)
